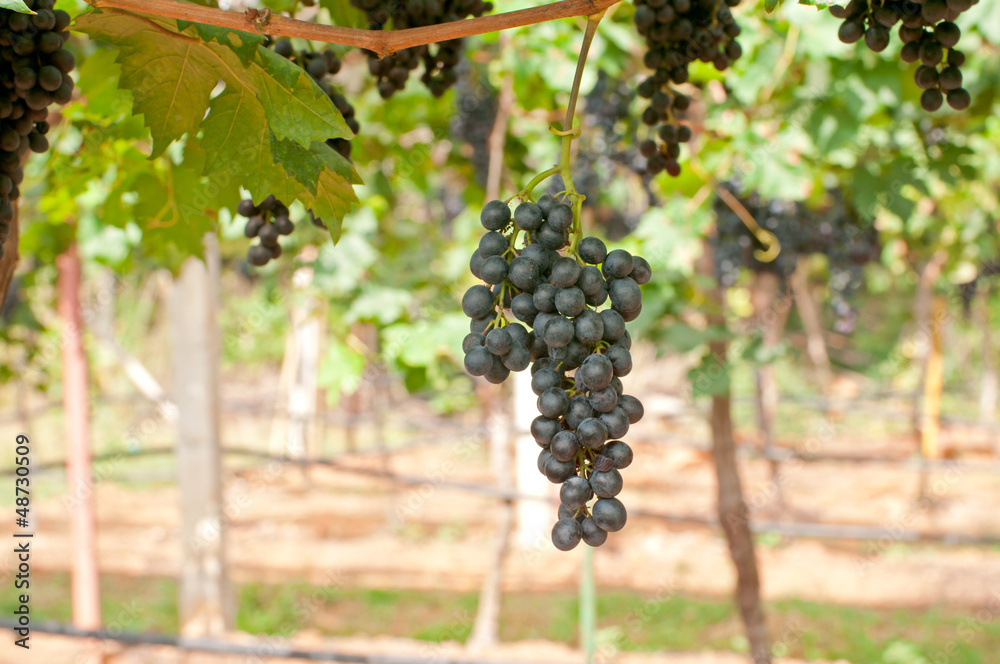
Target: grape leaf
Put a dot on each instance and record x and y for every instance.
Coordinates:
(296, 107)
(171, 79)
(15, 6)
(243, 44)
(306, 165)
(269, 101)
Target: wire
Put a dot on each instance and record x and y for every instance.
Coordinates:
(259, 649)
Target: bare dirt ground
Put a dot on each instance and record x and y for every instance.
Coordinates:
(332, 526)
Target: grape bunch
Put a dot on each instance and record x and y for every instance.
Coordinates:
(320, 66)
(268, 222)
(834, 232)
(928, 33)
(439, 59)
(34, 73)
(558, 295)
(472, 122)
(733, 244)
(678, 33)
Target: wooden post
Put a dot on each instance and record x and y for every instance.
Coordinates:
(771, 325)
(809, 313)
(734, 515)
(76, 406)
(770, 318)
(486, 627)
(205, 605)
(989, 382)
(922, 338)
(934, 383)
(302, 392)
(534, 519)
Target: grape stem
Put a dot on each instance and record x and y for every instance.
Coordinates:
(568, 134)
(525, 194)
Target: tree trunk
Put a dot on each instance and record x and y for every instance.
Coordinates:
(8, 262)
(205, 603)
(734, 515)
(811, 322)
(85, 583)
(989, 384)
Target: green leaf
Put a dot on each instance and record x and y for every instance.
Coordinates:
(15, 6)
(306, 165)
(710, 377)
(341, 371)
(237, 142)
(267, 102)
(243, 44)
(684, 338)
(345, 14)
(171, 78)
(296, 107)
(770, 5)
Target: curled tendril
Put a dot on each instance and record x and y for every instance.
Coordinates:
(771, 243)
(572, 133)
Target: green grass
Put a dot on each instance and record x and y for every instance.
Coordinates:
(631, 621)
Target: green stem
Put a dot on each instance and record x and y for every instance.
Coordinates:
(588, 606)
(588, 37)
(525, 193)
(567, 139)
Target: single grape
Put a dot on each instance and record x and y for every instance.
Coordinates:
(592, 250)
(564, 445)
(632, 407)
(560, 217)
(566, 534)
(616, 421)
(607, 484)
(592, 534)
(495, 215)
(570, 301)
(574, 493)
(498, 341)
(528, 216)
(565, 271)
(609, 514)
(619, 453)
(592, 433)
(553, 402)
(477, 301)
(544, 429)
(494, 270)
(478, 361)
(492, 244)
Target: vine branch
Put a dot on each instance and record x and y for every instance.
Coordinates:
(382, 42)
